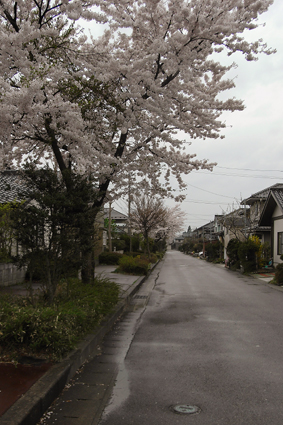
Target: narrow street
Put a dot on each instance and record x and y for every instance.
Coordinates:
(208, 339)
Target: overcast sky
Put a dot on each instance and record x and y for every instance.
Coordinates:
(250, 156)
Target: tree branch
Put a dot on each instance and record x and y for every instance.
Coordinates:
(13, 21)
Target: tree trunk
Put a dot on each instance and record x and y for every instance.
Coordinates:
(109, 229)
(147, 243)
(50, 285)
(88, 267)
(87, 254)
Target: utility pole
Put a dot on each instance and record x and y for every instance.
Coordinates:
(129, 214)
(245, 220)
(109, 229)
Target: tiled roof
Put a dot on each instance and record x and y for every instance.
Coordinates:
(262, 194)
(275, 198)
(10, 186)
(115, 215)
(278, 195)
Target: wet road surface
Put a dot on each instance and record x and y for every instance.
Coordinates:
(208, 338)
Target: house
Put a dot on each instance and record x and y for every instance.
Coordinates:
(235, 226)
(256, 203)
(120, 220)
(179, 240)
(209, 232)
(272, 216)
(218, 225)
(245, 221)
(11, 184)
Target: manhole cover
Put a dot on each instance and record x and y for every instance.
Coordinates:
(140, 297)
(186, 409)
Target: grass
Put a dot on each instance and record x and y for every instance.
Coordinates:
(31, 327)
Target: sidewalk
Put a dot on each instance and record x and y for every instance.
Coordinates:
(264, 277)
(35, 387)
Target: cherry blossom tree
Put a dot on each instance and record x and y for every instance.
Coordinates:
(116, 104)
(148, 216)
(174, 222)
(154, 220)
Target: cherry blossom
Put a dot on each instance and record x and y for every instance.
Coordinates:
(115, 105)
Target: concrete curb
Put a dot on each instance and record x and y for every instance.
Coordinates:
(31, 406)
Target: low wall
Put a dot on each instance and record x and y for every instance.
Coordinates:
(10, 274)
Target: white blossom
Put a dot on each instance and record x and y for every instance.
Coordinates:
(116, 104)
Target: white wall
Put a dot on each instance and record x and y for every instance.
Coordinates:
(278, 227)
(11, 274)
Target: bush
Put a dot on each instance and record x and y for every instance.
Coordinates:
(134, 265)
(119, 244)
(266, 253)
(134, 254)
(135, 242)
(247, 254)
(279, 274)
(152, 258)
(213, 250)
(198, 247)
(54, 330)
(110, 258)
(232, 252)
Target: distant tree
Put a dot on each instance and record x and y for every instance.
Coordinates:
(173, 223)
(148, 216)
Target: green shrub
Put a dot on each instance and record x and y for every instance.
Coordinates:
(134, 265)
(134, 243)
(247, 254)
(232, 252)
(279, 274)
(110, 258)
(134, 253)
(119, 244)
(213, 250)
(153, 258)
(54, 330)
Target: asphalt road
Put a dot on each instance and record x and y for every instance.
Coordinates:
(209, 338)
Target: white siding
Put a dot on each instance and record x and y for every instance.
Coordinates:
(278, 227)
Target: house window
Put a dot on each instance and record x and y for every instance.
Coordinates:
(280, 243)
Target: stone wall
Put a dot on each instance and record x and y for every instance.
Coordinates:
(10, 274)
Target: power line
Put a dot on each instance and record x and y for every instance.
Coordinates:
(249, 169)
(199, 215)
(217, 194)
(238, 175)
(198, 201)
